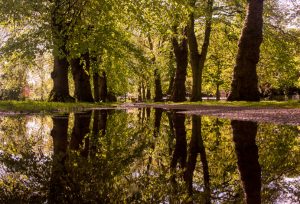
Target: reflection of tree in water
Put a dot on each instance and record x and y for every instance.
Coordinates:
(188, 164)
(24, 158)
(197, 146)
(80, 129)
(110, 162)
(61, 184)
(244, 134)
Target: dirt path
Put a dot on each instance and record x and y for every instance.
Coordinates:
(287, 116)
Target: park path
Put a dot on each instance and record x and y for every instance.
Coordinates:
(288, 116)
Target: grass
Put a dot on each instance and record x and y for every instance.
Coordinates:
(47, 107)
(50, 107)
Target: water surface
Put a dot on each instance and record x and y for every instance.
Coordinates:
(146, 156)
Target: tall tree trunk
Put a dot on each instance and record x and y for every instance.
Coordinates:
(198, 60)
(157, 80)
(218, 94)
(172, 71)
(245, 83)
(80, 71)
(103, 87)
(60, 90)
(158, 89)
(244, 134)
(96, 83)
(148, 94)
(181, 57)
(140, 93)
(143, 91)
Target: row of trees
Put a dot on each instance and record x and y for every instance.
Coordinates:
(165, 47)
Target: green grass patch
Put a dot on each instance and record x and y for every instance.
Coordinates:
(48, 107)
(51, 107)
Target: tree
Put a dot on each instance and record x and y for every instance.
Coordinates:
(180, 47)
(245, 83)
(59, 27)
(198, 59)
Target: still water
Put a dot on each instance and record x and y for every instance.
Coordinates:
(146, 156)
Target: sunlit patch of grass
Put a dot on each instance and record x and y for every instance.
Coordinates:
(38, 106)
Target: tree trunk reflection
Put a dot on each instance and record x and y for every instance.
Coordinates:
(197, 146)
(80, 129)
(244, 134)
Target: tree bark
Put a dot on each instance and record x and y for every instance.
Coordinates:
(198, 60)
(80, 71)
(244, 86)
(140, 93)
(60, 90)
(103, 87)
(218, 94)
(171, 74)
(96, 79)
(148, 94)
(244, 134)
(158, 90)
(181, 57)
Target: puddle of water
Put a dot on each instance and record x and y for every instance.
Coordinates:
(146, 156)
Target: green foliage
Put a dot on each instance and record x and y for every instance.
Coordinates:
(115, 33)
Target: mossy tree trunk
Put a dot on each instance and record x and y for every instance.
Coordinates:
(244, 86)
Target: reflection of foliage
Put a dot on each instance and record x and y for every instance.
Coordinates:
(128, 161)
(25, 157)
(279, 159)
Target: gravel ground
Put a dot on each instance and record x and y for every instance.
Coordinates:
(286, 116)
